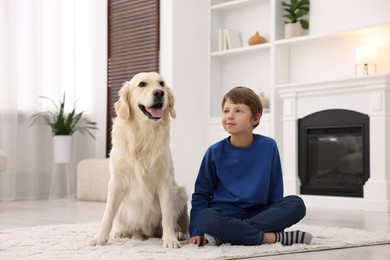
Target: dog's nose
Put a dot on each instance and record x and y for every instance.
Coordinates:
(158, 93)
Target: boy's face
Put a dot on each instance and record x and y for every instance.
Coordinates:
(237, 118)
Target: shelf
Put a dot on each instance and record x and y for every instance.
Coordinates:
(241, 50)
(329, 36)
(337, 83)
(227, 6)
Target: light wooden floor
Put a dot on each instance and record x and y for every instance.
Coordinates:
(44, 212)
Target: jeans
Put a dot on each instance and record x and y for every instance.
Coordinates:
(250, 229)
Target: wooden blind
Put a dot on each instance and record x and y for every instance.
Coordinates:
(133, 46)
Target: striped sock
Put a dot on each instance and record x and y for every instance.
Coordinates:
(293, 237)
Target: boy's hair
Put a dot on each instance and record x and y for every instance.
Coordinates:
(244, 95)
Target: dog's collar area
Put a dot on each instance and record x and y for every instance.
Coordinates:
(154, 112)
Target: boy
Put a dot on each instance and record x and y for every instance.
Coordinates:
(238, 197)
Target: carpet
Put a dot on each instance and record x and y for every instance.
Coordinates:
(70, 242)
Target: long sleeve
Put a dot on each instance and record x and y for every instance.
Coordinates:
(202, 195)
(276, 183)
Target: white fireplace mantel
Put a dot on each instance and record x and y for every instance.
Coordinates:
(367, 95)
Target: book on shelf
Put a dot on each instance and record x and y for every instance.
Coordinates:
(221, 40)
(229, 39)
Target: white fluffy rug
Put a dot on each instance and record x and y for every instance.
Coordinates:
(70, 242)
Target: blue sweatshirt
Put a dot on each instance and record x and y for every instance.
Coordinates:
(237, 180)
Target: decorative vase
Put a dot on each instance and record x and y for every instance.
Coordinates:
(264, 100)
(256, 39)
(292, 30)
(62, 146)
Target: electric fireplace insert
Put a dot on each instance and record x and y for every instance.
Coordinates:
(333, 153)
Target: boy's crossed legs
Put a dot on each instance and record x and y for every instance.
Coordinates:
(266, 226)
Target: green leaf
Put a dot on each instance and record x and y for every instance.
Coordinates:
(300, 13)
(305, 24)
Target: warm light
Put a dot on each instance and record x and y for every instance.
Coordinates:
(365, 61)
(366, 55)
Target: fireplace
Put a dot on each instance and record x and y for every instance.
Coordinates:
(333, 153)
(368, 96)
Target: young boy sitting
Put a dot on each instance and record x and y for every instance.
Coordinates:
(238, 197)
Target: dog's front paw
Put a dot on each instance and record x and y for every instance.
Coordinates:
(181, 236)
(98, 241)
(123, 234)
(171, 243)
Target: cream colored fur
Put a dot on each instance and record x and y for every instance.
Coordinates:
(143, 198)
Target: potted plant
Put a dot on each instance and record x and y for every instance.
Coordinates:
(295, 13)
(63, 126)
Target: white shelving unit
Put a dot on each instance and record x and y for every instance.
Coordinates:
(325, 52)
(247, 17)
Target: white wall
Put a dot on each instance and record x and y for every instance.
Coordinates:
(183, 64)
(340, 15)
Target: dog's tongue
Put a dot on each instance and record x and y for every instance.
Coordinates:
(155, 112)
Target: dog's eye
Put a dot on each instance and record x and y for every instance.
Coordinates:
(142, 84)
(162, 84)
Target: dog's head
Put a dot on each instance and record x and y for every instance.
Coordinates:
(145, 95)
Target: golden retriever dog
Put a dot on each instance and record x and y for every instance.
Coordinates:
(143, 197)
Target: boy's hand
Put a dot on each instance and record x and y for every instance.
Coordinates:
(198, 240)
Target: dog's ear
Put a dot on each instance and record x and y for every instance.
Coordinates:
(171, 103)
(122, 106)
